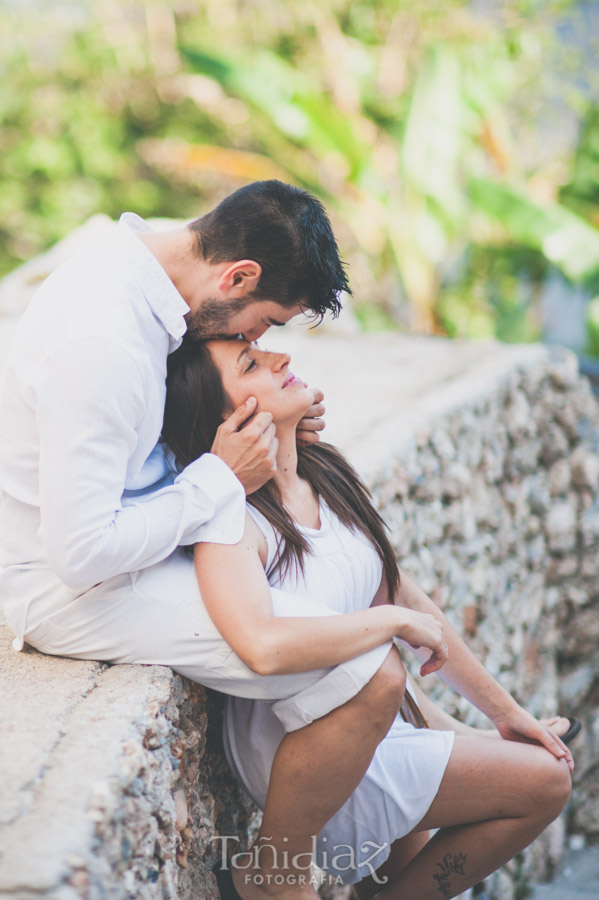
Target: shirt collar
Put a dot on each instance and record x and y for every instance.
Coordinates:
(162, 296)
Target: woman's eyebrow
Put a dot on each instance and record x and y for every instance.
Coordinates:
(245, 350)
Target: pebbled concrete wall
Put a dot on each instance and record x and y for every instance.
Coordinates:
(494, 510)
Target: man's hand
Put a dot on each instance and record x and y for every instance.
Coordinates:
(312, 423)
(248, 449)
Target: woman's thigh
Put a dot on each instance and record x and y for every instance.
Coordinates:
(156, 616)
(495, 779)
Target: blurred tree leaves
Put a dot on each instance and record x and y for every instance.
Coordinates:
(409, 120)
(74, 106)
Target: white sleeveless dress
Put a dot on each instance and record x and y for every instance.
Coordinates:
(343, 571)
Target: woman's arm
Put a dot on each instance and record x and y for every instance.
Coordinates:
(468, 677)
(237, 596)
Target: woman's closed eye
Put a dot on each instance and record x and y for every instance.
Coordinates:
(251, 365)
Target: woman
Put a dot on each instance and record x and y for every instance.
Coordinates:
(312, 530)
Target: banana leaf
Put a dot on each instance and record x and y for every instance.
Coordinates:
(566, 240)
(433, 139)
(286, 96)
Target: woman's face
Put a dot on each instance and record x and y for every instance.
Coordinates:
(247, 371)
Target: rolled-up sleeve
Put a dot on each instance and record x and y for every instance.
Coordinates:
(90, 399)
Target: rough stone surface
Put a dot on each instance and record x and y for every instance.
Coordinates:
(484, 460)
(113, 784)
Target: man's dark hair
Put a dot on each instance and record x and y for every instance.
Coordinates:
(287, 231)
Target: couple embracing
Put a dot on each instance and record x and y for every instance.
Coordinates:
(164, 499)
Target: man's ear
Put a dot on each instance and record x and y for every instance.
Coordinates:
(240, 278)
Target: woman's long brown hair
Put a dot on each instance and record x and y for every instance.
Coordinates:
(196, 404)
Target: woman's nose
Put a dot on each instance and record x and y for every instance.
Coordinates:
(280, 361)
(276, 361)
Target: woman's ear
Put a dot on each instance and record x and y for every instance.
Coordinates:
(240, 278)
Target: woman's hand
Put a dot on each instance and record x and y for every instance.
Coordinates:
(312, 423)
(424, 630)
(519, 725)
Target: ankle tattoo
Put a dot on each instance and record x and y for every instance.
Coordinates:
(452, 864)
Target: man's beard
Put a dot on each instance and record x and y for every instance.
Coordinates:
(212, 319)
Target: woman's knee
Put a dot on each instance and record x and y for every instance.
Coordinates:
(384, 692)
(558, 786)
(549, 786)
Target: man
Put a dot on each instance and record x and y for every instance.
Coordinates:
(91, 520)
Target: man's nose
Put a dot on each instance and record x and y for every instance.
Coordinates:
(255, 333)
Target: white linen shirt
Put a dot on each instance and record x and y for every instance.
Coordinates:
(85, 488)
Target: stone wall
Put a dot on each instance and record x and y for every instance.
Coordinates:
(113, 783)
(484, 460)
(494, 510)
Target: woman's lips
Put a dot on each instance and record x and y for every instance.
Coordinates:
(291, 379)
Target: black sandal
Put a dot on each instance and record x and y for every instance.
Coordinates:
(573, 730)
(226, 888)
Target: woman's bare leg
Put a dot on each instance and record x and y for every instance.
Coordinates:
(403, 851)
(495, 798)
(314, 772)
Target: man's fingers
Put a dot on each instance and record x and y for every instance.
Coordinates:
(317, 409)
(269, 436)
(318, 395)
(312, 423)
(247, 443)
(308, 424)
(269, 442)
(239, 415)
(272, 455)
(305, 438)
(260, 425)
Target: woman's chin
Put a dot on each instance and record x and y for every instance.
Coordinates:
(291, 411)
(289, 418)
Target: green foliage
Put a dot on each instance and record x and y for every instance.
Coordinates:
(73, 111)
(407, 119)
(449, 179)
(564, 238)
(584, 185)
(581, 193)
(494, 294)
(592, 323)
